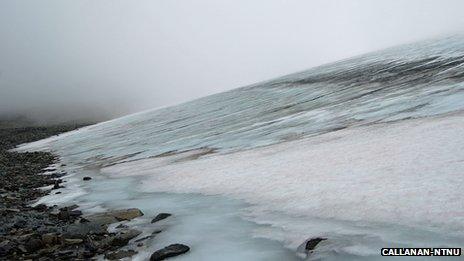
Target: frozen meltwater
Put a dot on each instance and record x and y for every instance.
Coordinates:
(367, 152)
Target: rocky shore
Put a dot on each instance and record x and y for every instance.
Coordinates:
(50, 232)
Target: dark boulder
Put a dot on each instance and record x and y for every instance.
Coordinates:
(160, 216)
(86, 178)
(313, 242)
(41, 207)
(169, 251)
(33, 244)
(69, 208)
(56, 184)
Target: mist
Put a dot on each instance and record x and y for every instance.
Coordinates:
(63, 60)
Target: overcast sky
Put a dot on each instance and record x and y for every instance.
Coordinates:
(68, 58)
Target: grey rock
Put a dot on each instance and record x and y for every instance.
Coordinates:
(123, 237)
(41, 207)
(169, 251)
(313, 242)
(156, 232)
(80, 230)
(160, 216)
(115, 216)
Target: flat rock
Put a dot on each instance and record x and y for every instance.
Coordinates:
(169, 251)
(115, 216)
(80, 230)
(126, 214)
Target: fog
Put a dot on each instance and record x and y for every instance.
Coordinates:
(73, 60)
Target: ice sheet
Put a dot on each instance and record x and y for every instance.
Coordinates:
(404, 176)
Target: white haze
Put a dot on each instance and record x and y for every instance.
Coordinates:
(99, 59)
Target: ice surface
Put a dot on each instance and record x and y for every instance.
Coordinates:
(406, 82)
(381, 181)
(368, 152)
(211, 226)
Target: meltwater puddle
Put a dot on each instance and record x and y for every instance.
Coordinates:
(210, 225)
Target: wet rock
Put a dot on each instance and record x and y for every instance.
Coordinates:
(66, 214)
(80, 230)
(116, 216)
(143, 238)
(120, 254)
(75, 213)
(169, 251)
(41, 207)
(313, 242)
(123, 237)
(63, 215)
(69, 208)
(101, 218)
(86, 178)
(126, 214)
(121, 226)
(160, 216)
